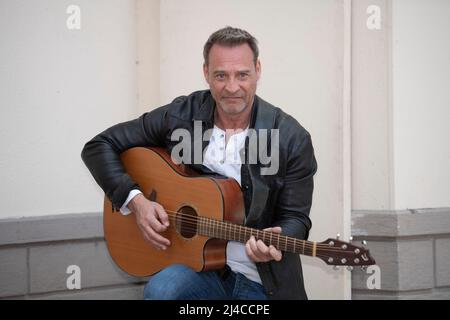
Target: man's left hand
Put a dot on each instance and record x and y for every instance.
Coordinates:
(259, 252)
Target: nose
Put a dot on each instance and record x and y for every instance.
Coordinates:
(232, 85)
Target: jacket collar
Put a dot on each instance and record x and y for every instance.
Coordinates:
(206, 110)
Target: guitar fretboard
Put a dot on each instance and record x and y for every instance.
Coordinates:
(229, 231)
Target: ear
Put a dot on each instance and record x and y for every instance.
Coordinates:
(258, 69)
(205, 72)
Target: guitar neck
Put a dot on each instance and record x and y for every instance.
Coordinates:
(229, 231)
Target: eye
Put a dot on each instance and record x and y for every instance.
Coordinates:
(243, 75)
(220, 76)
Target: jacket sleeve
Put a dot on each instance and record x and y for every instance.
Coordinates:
(102, 154)
(295, 198)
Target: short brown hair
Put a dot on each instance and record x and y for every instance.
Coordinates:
(231, 37)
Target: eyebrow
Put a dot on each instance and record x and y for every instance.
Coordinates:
(239, 71)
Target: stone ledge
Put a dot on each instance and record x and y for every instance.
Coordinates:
(48, 265)
(429, 294)
(51, 228)
(401, 223)
(13, 275)
(36, 251)
(442, 257)
(122, 292)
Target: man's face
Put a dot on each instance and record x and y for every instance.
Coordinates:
(232, 77)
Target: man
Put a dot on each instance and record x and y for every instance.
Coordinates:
(279, 202)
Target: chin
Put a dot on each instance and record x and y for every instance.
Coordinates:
(233, 109)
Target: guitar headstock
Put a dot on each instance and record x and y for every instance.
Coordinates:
(340, 253)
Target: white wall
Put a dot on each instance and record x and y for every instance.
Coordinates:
(421, 103)
(148, 54)
(58, 88)
(401, 105)
(302, 55)
(371, 108)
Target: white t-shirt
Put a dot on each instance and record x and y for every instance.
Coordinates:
(224, 158)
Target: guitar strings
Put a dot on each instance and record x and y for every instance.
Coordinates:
(319, 254)
(227, 228)
(191, 225)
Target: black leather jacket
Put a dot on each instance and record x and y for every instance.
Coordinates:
(282, 199)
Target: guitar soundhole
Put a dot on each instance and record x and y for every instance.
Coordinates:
(186, 222)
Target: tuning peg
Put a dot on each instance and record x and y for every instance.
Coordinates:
(338, 235)
(364, 242)
(349, 268)
(335, 268)
(363, 268)
(350, 238)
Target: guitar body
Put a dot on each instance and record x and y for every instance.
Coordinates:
(177, 189)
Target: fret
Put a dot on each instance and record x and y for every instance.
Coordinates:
(211, 228)
(216, 227)
(295, 241)
(224, 231)
(205, 227)
(278, 245)
(285, 243)
(219, 231)
(227, 230)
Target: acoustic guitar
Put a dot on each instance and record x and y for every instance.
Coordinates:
(204, 213)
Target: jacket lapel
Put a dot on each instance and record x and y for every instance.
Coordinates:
(263, 117)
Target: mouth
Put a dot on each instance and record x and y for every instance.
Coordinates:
(232, 98)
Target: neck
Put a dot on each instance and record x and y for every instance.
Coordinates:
(233, 121)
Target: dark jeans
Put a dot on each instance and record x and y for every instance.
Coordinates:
(178, 282)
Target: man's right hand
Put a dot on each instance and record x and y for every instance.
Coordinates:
(152, 219)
